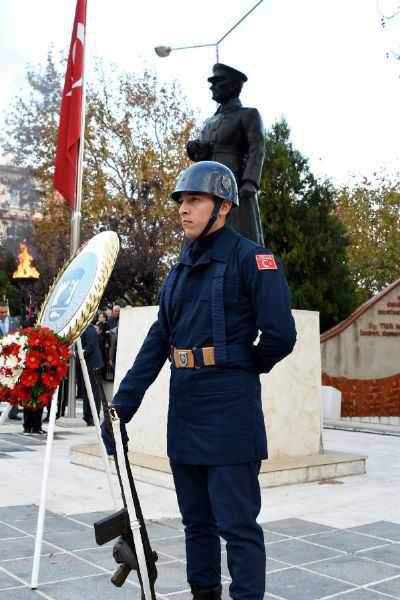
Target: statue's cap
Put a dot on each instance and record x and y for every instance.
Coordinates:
(220, 70)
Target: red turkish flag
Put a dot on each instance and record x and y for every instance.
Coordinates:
(266, 262)
(69, 133)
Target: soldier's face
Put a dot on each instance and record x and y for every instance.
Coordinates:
(222, 89)
(194, 211)
(3, 312)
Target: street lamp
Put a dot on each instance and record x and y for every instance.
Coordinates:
(164, 51)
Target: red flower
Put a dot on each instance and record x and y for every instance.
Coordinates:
(50, 345)
(50, 380)
(35, 340)
(33, 359)
(44, 399)
(29, 377)
(52, 359)
(11, 349)
(64, 351)
(62, 370)
(21, 394)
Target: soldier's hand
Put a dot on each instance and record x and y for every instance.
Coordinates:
(247, 190)
(108, 437)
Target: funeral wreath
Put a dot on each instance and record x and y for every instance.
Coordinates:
(33, 361)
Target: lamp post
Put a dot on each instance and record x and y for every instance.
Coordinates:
(164, 51)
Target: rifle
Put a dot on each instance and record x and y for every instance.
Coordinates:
(133, 550)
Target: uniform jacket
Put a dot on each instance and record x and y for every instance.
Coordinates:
(92, 351)
(236, 138)
(215, 296)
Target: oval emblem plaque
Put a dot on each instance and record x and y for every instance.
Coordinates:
(75, 295)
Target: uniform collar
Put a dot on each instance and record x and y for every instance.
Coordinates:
(230, 106)
(217, 246)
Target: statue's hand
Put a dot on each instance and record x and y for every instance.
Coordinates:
(197, 150)
(247, 190)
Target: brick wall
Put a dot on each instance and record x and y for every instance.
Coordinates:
(367, 397)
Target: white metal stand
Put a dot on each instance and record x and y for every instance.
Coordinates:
(95, 416)
(49, 445)
(43, 493)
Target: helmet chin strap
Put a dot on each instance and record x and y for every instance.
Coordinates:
(212, 219)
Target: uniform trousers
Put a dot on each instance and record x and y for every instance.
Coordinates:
(98, 394)
(222, 501)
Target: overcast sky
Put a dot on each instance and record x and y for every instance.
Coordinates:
(321, 64)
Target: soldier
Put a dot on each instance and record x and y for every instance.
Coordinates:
(235, 136)
(223, 290)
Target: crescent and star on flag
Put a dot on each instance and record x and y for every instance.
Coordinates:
(80, 38)
(70, 131)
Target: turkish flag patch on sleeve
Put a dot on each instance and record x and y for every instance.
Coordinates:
(266, 262)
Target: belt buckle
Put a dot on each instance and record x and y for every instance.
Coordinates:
(183, 356)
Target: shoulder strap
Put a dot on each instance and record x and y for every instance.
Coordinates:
(218, 313)
(165, 294)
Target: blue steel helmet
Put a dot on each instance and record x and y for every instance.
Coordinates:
(209, 177)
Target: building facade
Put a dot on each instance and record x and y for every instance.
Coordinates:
(19, 205)
(361, 357)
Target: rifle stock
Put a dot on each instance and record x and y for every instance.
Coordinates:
(118, 525)
(111, 527)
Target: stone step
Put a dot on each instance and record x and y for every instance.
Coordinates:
(274, 472)
(347, 425)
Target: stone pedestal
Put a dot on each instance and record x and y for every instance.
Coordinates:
(290, 393)
(291, 397)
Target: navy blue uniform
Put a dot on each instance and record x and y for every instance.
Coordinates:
(223, 291)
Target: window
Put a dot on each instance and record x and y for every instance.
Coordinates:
(14, 199)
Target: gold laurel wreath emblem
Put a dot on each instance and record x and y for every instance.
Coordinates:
(87, 310)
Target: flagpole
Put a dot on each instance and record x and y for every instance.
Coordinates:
(76, 231)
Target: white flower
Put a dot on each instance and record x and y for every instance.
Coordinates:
(15, 363)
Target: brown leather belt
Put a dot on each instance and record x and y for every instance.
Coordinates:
(193, 359)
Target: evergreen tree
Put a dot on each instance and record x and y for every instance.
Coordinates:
(302, 229)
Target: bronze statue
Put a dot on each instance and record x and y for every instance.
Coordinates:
(234, 136)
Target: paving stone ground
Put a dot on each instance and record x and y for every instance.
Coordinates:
(306, 560)
(344, 542)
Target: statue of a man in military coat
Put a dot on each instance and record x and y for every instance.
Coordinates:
(234, 136)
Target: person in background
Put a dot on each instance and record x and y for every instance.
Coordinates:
(108, 311)
(94, 362)
(112, 334)
(102, 330)
(114, 319)
(112, 353)
(8, 325)
(33, 419)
